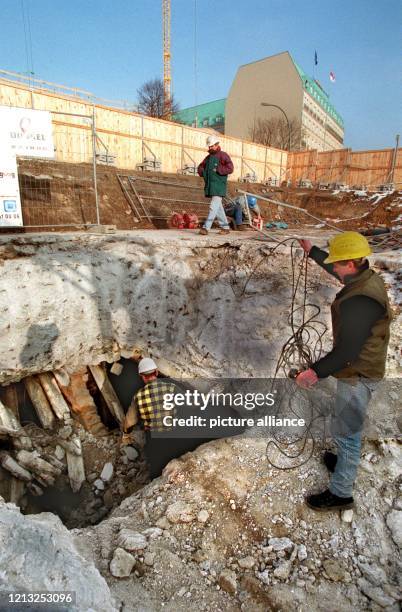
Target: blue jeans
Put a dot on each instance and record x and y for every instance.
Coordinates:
(346, 427)
(235, 211)
(216, 211)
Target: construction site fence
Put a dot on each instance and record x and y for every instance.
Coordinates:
(86, 134)
(68, 199)
(128, 140)
(365, 169)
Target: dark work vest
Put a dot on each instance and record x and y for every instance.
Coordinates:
(370, 362)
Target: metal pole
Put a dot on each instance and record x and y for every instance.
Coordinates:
(94, 165)
(285, 115)
(286, 205)
(182, 148)
(391, 176)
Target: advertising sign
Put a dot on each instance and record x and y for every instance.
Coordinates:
(10, 203)
(26, 132)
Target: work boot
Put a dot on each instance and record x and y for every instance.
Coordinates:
(243, 227)
(203, 231)
(224, 230)
(326, 500)
(330, 460)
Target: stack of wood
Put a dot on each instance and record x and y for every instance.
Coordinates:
(35, 469)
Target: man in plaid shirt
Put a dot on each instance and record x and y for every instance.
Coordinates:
(147, 409)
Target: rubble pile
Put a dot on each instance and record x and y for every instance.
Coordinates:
(223, 529)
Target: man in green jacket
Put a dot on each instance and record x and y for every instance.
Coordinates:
(361, 317)
(215, 169)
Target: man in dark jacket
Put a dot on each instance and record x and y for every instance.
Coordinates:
(215, 169)
(361, 317)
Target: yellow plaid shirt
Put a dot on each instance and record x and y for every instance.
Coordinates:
(149, 402)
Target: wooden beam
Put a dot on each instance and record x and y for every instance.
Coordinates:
(17, 489)
(8, 418)
(54, 395)
(109, 394)
(11, 400)
(33, 462)
(10, 464)
(40, 402)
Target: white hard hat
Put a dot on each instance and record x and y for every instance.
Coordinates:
(212, 140)
(146, 366)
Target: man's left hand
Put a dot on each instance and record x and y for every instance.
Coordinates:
(306, 379)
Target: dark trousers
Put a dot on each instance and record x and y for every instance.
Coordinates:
(159, 451)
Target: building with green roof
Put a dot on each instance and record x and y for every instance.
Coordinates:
(276, 80)
(209, 114)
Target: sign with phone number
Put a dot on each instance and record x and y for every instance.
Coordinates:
(10, 201)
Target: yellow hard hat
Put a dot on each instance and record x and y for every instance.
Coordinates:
(348, 245)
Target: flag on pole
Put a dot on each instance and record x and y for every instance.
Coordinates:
(315, 58)
(332, 77)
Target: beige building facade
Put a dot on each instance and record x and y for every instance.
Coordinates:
(279, 80)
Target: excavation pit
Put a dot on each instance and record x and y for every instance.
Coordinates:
(72, 304)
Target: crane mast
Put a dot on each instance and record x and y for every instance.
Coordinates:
(167, 87)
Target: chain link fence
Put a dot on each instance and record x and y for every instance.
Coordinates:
(50, 198)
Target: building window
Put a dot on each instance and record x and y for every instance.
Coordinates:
(205, 122)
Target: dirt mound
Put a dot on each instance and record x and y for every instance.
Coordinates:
(57, 193)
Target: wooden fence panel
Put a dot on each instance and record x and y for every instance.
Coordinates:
(123, 134)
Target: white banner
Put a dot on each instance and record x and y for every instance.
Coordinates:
(26, 132)
(10, 202)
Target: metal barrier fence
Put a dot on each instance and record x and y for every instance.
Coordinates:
(50, 199)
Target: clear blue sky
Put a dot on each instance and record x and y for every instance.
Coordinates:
(110, 47)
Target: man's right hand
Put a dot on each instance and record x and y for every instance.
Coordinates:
(306, 245)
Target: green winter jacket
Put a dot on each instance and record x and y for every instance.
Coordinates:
(215, 169)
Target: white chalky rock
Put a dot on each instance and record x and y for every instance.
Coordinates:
(152, 532)
(149, 558)
(180, 512)
(246, 562)
(373, 573)
(202, 516)
(302, 552)
(283, 570)
(280, 544)
(394, 522)
(122, 563)
(263, 576)
(107, 472)
(116, 369)
(347, 516)
(375, 593)
(131, 453)
(59, 452)
(99, 484)
(131, 540)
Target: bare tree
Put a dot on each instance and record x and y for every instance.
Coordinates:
(151, 100)
(274, 132)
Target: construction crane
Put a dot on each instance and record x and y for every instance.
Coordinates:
(167, 81)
